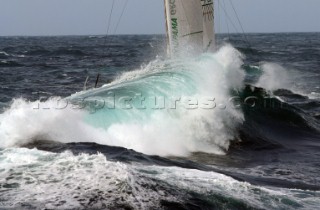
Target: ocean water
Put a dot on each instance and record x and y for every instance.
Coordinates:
(234, 129)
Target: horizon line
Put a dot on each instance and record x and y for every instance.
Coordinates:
(153, 34)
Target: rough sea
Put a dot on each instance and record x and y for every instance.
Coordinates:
(234, 129)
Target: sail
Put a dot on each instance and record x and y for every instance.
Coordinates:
(189, 26)
(208, 25)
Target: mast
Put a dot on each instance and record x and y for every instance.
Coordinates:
(189, 26)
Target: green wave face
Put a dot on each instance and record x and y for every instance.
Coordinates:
(175, 99)
(136, 96)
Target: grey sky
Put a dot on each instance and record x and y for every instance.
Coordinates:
(77, 17)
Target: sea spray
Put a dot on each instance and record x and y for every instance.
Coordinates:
(25, 122)
(37, 179)
(89, 116)
(274, 77)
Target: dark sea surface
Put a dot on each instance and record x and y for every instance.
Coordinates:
(254, 145)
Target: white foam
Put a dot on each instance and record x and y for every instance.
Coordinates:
(314, 95)
(4, 53)
(274, 77)
(164, 133)
(25, 122)
(66, 181)
(212, 183)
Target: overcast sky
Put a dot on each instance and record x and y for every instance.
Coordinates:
(85, 17)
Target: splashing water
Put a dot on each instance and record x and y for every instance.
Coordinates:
(274, 77)
(194, 116)
(275, 165)
(65, 181)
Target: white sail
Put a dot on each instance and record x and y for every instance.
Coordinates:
(208, 25)
(189, 26)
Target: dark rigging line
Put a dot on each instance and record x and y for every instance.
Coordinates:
(109, 21)
(240, 23)
(118, 23)
(108, 29)
(243, 34)
(224, 4)
(105, 39)
(123, 9)
(232, 23)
